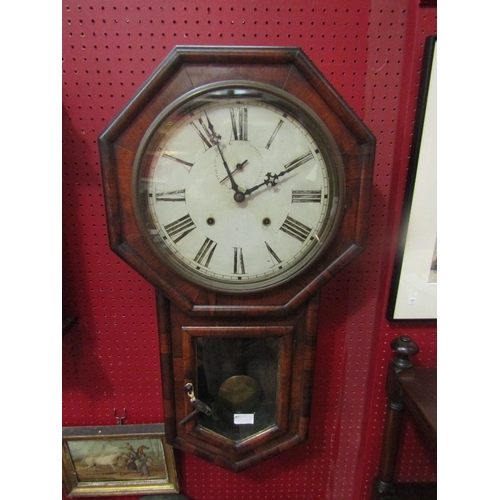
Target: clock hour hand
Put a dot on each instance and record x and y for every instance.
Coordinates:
(271, 180)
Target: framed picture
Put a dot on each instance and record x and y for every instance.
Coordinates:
(117, 460)
(413, 292)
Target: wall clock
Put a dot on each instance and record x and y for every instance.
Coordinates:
(240, 186)
(237, 182)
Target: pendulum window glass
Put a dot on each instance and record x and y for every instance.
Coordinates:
(238, 379)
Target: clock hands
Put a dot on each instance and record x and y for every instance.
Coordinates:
(238, 195)
(215, 139)
(271, 180)
(239, 166)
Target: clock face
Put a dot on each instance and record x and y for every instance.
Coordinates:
(239, 187)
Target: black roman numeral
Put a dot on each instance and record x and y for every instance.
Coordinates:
(296, 229)
(239, 122)
(276, 130)
(180, 228)
(306, 195)
(206, 132)
(184, 163)
(204, 255)
(274, 258)
(238, 263)
(299, 161)
(177, 195)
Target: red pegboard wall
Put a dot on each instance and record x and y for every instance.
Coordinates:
(371, 53)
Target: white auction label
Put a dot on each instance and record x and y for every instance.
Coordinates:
(243, 418)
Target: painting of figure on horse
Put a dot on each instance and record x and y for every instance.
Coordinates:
(117, 459)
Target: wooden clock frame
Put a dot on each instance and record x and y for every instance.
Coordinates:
(187, 311)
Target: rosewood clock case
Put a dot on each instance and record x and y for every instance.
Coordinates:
(256, 409)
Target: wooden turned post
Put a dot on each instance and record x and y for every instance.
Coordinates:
(403, 347)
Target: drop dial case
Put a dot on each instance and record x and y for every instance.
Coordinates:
(237, 182)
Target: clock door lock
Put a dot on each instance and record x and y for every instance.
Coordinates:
(199, 406)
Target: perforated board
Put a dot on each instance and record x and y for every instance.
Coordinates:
(371, 52)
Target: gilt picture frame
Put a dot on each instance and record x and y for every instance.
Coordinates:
(413, 291)
(117, 460)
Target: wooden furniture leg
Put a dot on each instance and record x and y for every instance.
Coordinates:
(403, 347)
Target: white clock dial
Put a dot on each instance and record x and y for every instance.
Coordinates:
(239, 194)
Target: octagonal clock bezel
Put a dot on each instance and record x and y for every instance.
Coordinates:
(183, 71)
(292, 106)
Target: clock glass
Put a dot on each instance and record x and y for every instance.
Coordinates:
(240, 186)
(238, 378)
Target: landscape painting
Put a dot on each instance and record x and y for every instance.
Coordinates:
(110, 460)
(118, 460)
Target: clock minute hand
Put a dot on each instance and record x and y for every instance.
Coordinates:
(215, 137)
(238, 195)
(239, 166)
(271, 180)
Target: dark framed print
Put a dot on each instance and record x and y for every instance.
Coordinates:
(117, 460)
(413, 292)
